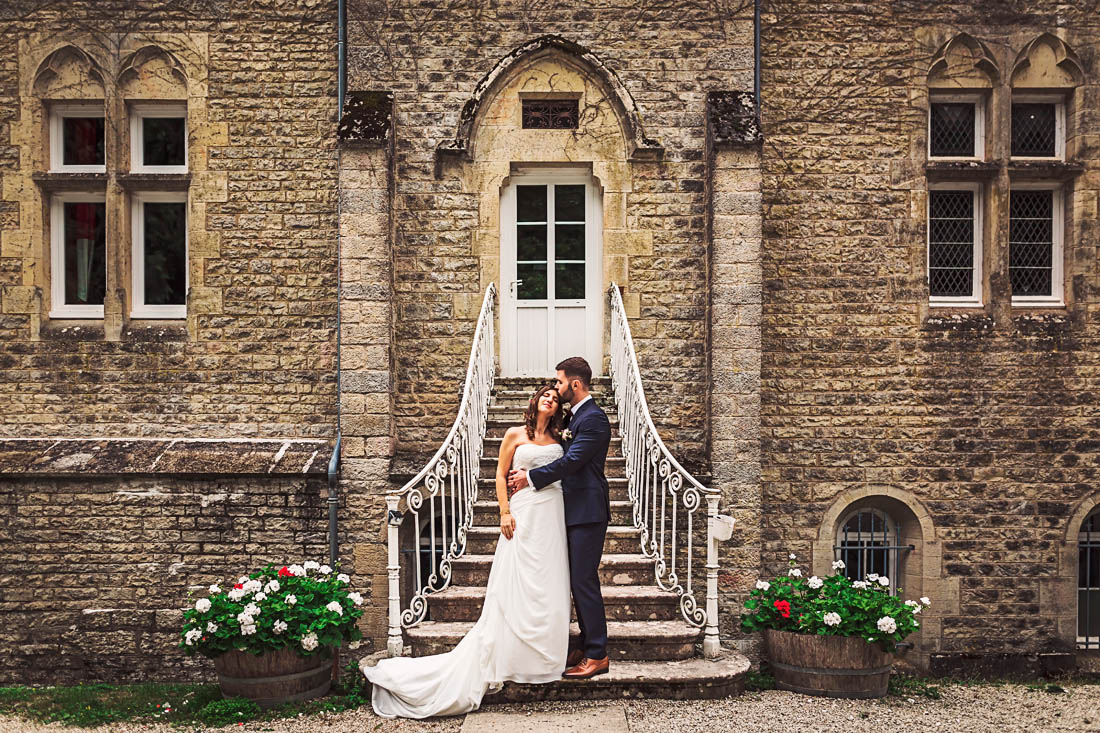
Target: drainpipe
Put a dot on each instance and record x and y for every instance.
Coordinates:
(755, 53)
(334, 462)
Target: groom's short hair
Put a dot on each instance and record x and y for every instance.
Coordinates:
(575, 367)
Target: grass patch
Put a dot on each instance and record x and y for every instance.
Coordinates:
(902, 685)
(94, 705)
(758, 681)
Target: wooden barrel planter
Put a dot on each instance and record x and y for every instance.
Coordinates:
(830, 666)
(273, 678)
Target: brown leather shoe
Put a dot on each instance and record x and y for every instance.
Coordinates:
(574, 658)
(588, 668)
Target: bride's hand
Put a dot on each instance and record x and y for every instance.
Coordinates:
(507, 525)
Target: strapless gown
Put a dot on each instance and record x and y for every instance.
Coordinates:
(523, 632)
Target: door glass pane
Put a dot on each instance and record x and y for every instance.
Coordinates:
(532, 279)
(569, 280)
(569, 242)
(569, 203)
(530, 203)
(85, 253)
(163, 140)
(82, 141)
(165, 253)
(531, 242)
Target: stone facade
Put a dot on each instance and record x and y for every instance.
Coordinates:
(255, 355)
(971, 427)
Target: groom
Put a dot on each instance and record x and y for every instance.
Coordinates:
(587, 511)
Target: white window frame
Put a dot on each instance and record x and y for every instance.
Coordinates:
(1059, 103)
(58, 307)
(139, 309)
(57, 140)
(1056, 299)
(139, 112)
(978, 101)
(974, 300)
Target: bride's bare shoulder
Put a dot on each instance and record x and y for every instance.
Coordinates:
(515, 434)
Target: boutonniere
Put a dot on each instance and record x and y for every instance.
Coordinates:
(567, 435)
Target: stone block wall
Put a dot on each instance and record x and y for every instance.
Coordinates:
(433, 58)
(95, 573)
(974, 427)
(255, 355)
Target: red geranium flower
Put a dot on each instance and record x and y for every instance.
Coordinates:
(238, 586)
(784, 608)
(284, 572)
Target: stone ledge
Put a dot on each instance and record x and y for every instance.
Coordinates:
(61, 457)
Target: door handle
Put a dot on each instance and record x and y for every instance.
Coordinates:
(513, 285)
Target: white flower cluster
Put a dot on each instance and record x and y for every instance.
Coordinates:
(914, 606)
(236, 594)
(887, 625)
(924, 600)
(860, 584)
(343, 578)
(297, 570)
(291, 600)
(311, 565)
(792, 556)
(356, 598)
(279, 627)
(272, 587)
(192, 636)
(202, 605)
(211, 627)
(794, 573)
(325, 570)
(832, 619)
(838, 565)
(815, 582)
(335, 607)
(309, 641)
(763, 585)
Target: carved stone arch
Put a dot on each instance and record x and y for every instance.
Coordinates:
(152, 72)
(68, 72)
(922, 570)
(1047, 62)
(571, 53)
(964, 61)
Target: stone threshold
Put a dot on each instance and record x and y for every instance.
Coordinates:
(72, 457)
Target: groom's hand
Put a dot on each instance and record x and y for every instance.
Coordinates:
(517, 479)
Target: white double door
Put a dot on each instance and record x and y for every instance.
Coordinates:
(551, 273)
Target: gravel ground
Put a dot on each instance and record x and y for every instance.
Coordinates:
(979, 708)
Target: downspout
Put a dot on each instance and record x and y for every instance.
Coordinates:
(755, 53)
(334, 462)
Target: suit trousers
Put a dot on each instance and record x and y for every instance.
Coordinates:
(585, 550)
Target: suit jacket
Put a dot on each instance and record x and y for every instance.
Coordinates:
(581, 469)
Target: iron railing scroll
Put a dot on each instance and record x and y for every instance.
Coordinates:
(440, 499)
(668, 501)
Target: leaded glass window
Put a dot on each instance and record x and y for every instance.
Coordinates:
(952, 132)
(1032, 243)
(953, 237)
(1035, 129)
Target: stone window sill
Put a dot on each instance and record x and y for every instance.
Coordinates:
(70, 181)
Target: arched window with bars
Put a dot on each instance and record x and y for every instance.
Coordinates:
(1088, 583)
(869, 543)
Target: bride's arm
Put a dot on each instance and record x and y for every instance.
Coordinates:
(504, 462)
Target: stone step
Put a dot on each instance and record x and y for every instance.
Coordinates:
(522, 397)
(687, 679)
(626, 640)
(492, 447)
(619, 540)
(615, 569)
(487, 514)
(622, 603)
(614, 468)
(487, 489)
(498, 424)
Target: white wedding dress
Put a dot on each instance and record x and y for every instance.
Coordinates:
(523, 632)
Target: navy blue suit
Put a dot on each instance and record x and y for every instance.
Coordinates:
(587, 514)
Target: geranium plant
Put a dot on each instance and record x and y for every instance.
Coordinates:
(832, 606)
(307, 607)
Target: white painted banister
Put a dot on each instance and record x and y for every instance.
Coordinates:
(668, 502)
(440, 498)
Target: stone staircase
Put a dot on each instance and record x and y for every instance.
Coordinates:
(653, 650)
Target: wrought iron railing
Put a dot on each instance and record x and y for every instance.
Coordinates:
(668, 501)
(440, 499)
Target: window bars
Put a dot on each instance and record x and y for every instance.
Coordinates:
(1088, 583)
(869, 543)
(550, 114)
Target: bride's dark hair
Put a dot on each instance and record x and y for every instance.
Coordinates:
(531, 414)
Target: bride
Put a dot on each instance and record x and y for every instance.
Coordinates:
(523, 632)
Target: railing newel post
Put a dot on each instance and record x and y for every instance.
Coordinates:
(394, 641)
(711, 644)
